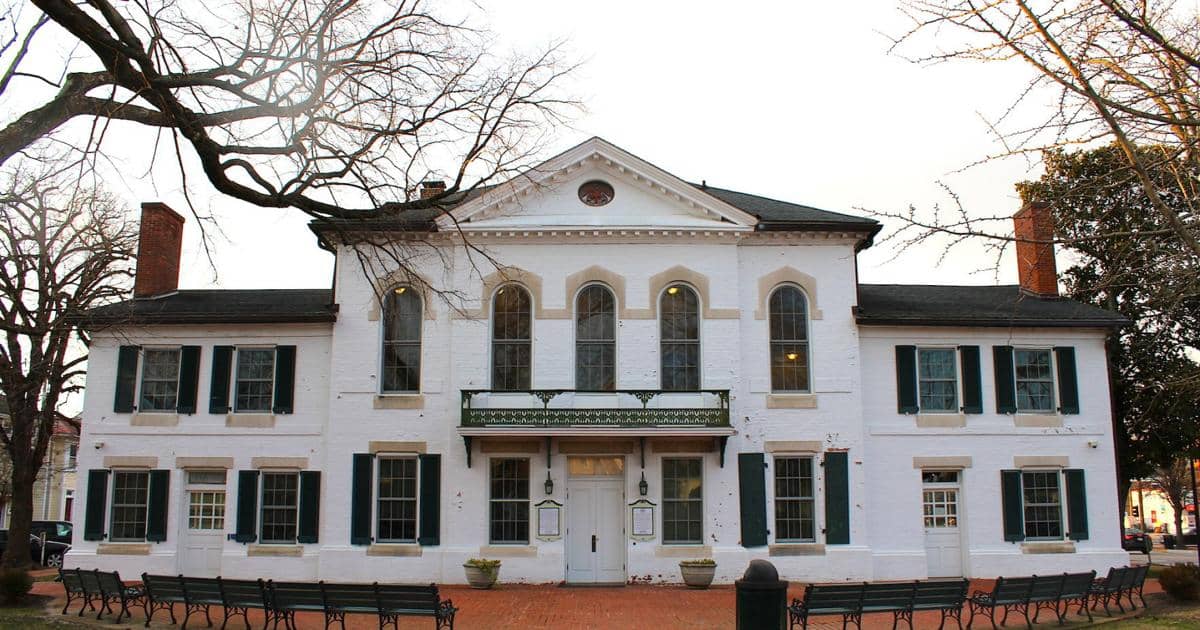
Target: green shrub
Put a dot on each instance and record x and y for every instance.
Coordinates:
(14, 584)
(1181, 581)
(702, 562)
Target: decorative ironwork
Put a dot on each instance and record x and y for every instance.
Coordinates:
(546, 416)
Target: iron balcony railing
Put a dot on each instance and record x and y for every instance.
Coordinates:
(578, 408)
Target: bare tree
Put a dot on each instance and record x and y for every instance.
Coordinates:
(1175, 481)
(335, 108)
(1119, 71)
(63, 250)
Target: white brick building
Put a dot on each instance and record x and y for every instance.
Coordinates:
(658, 371)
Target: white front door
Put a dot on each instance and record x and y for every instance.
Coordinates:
(943, 522)
(595, 535)
(204, 525)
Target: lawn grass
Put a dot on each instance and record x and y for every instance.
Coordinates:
(29, 617)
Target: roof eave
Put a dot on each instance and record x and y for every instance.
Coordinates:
(995, 322)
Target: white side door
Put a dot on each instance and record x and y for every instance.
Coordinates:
(595, 531)
(203, 524)
(943, 525)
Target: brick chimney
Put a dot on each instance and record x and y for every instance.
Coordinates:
(432, 188)
(160, 241)
(1033, 226)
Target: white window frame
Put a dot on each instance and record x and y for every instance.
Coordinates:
(233, 389)
(575, 333)
(112, 504)
(530, 524)
(262, 505)
(942, 486)
(1053, 381)
(142, 375)
(808, 340)
(1062, 505)
(815, 498)
(958, 380)
(663, 497)
(191, 486)
(491, 337)
(420, 343)
(377, 498)
(699, 336)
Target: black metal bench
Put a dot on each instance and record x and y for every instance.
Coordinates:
(902, 599)
(239, 596)
(73, 585)
(1036, 592)
(285, 599)
(162, 593)
(335, 601)
(1120, 582)
(397, 600)
(114, 591)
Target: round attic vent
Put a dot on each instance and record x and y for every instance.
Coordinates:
(596, 193)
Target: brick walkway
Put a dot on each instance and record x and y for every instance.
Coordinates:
(608, 608)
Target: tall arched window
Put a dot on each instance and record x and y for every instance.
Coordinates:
(402, 340)
(595, 339)
(679, 338)
(511, 346)
(789, 340)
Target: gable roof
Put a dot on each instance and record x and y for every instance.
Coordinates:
(220, 306)
(993, 306)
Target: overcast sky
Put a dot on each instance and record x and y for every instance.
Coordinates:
(796, 101)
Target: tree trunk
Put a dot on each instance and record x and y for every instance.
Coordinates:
(16, 552)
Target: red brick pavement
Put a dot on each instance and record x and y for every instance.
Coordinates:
(599, 608)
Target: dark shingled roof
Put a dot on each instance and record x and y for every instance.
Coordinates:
(1002, 306)
(220, 306)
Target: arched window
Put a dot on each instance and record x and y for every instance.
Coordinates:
(595, 339)
(511, 346)
(789, 340)
(402, 340)
(679, 336)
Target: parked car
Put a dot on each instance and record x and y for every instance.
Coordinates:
(1171, 541)
(1136, 540)
(58, 531)
(54, 551)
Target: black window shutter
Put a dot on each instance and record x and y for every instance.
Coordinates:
(1010, 491)
(1077, 520)
(127, 365)
(189, 379)
(906, 379)
(837, 499)
(1006, 387)
(156, 508)
(247, 507)
(972, 379)
(1068, 383)
(752, 492)
(430, 500)
(218, 386)
(97, 501)
(285, 378)
(310, 506)
(360, 499)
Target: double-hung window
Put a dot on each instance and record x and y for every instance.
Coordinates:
(683, 501)
(509, 502)
(789, 340)
(937, 378)
(402, 341)
(160, 379)
(1041, 495)
(595, 339)
(396, 516)
(679, 338)
(512, 325)
(255, 383)
(1034, 380)
(280, 506)
(795, 512)
(130, 499)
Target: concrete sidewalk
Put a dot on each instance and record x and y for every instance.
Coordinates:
(608, 608)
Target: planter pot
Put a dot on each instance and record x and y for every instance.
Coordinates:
(697, 576)
(478, 578)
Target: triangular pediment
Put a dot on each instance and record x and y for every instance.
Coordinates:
(643, 197)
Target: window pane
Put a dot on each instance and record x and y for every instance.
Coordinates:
(595, 339)
(255, 379)
(509, 510)
(511, 325)
(402, 341)
(279, 507)
(794, 502)
(1042, 504)
(1035, 380)
(789, 366)
(679, 334)
(160, 380)
(206, 510)
(130, 494)
(683, 501)
(937, 374)
(397, 516)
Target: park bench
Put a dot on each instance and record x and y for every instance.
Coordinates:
(1051, 592)
(397, 600)
(162, 593)
(73, 585)
(236, 597)
(1120, 582)
(389, 602)
(901, 599)
(239, 596)
(114, 591)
